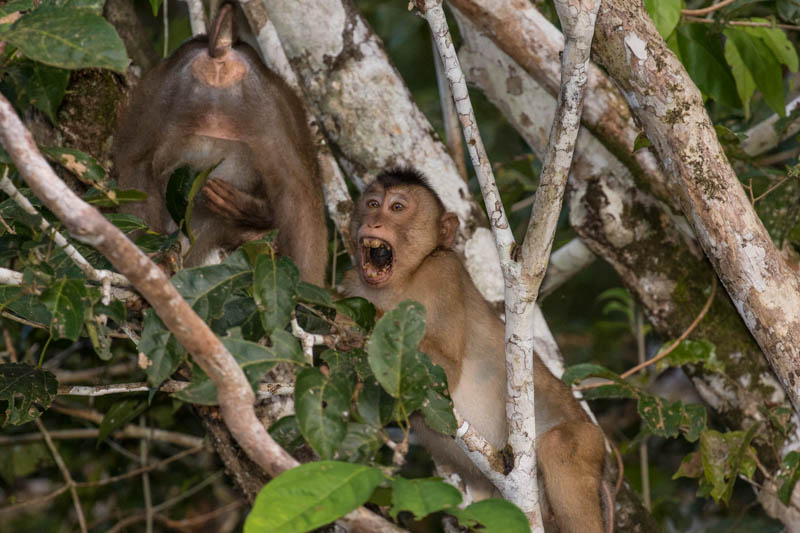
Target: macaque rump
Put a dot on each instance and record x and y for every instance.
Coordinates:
(402, 236)
(213, 102)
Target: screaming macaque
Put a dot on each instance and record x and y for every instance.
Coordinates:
(215, 101)
(402, 236)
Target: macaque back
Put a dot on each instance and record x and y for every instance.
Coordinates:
(214, 101)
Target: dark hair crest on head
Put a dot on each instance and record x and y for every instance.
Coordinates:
(400, 176)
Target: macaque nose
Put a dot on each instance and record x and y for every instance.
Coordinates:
(374, 225)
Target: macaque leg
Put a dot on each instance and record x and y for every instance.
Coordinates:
(571, 458)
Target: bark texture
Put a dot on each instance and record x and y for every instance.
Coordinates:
(764, 290)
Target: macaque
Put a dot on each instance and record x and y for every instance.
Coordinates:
(402, 236)
(214, 102)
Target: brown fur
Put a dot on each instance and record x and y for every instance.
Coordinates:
(216, 101)
(466, 338)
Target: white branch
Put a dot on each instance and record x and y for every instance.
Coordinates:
(197, 16)
(265, 390)
(565, 262)
(763, 136)
(308, 340)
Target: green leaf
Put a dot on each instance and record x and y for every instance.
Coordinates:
(16, 5)
(93, 6)
(789, 10)
(321, 405)
(25, 392)
(745, 84)
(27, 83)
(155, 5)
(777, 41)
(702, 352)
(494, 516)
(163, 352)
(274, 286)
(423, 496)
(287, 434)
(641, 142)
(763, 66)
(126, 223)
(374, 405)
(120, 414)
(393, 356)
(68, 38)
(201, 390)
(81, 165)
(311, 294)
(361, 311)
(668, 419)
(361, 443)
(25, 305)
(206, 288)
(64, 299)
(438, 412)
(665, 14)
(704, 59)
(788, 476)
(723, 455)
(311, 495)
(691, 466)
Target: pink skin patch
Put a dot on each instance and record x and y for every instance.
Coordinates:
(219, 72)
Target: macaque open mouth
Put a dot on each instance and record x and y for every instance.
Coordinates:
(376, 260)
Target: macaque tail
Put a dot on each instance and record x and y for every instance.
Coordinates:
(222, 34)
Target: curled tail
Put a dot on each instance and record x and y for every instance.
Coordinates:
(223, 32)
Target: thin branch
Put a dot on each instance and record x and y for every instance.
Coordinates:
(92, 273)
(133, 473)
(764, 136)
(64, 473)
(35, 501)
(745, 23)
(144, 453)
(565, 263)
(308, 340)
(128, 432)
(688, 331)
(504, 239)
(707, 10)
(203, 519)
(265, 390)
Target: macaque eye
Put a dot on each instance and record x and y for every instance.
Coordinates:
(397, 206)
(373, 204)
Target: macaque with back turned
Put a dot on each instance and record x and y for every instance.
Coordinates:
(214, 101)
(402, 236)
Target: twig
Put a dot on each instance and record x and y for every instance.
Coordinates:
(92, 273)
(138, 471)
(644, 462)
(771, 188)
(565, 263)
(128, 432)
(746, 23)
(144, 452)
(631, 371)
(35, 501)
(308, 340)
(707, 10)
(165, 13)
(12, 352)
(64, 473)
(203, 519)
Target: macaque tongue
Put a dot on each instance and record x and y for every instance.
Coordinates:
(380, 257)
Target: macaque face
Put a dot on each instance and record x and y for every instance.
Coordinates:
(395, 229)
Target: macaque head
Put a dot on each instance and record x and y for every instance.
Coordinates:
(398, 221)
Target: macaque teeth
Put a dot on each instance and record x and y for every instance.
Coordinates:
(374, 243)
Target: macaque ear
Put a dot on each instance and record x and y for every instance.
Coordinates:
(448, 227)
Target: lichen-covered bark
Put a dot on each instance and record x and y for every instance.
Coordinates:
(653, 252)
(535, 44)
(669, 106)
(367, 112)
